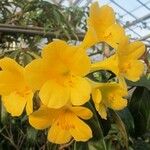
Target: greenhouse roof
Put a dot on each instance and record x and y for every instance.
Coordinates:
(133, 15)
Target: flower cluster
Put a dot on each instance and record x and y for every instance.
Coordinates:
(60, 77)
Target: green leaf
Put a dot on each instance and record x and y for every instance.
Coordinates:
(4, 117)
(80, 146)
(52, 146)
(96, 145)
(90, 145)
(121, 126)
(141, 145)
(128, 120)
(143, 82)
(27, 58)
(34, 55)
(140, 109)
(32, 135)
(14, 54)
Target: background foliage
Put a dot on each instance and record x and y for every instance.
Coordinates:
(126, 129)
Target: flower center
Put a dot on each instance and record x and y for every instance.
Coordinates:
(24, 92)
(111, 97)
(63, 121)
(125, 67)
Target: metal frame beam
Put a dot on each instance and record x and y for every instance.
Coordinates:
(144, 37)
(128, 13)
(13, 29)
(143, 5)
(137, 21)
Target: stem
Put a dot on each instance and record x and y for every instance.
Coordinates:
(100, 129)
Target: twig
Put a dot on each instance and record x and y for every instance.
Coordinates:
(11, 141)
(66, 145)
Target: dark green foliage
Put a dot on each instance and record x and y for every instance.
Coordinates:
(140, 110)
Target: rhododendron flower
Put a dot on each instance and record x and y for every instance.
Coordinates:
(16, 94)
(59, 75)
(108, 95)
(64, 123)
(102, 27)
(125, 63)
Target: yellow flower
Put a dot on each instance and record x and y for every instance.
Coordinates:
(16, 94)
(108, 95)
(102, 27)
(59, 75)
(65, 123)
(124, 63)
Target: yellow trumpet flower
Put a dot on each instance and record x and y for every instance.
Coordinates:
(102, 27)
(59, 75)
(125, 62)
(64, 123)
(16, 94)
(108, 95)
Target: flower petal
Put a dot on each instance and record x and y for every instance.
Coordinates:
(123, 84)
(136, 49)
(11, 65)
(81, 131)
(14, 103)
(80, 63)
(58, 135)
(9, 84)
(36, 73)
(58, 53)
(110, 64)
(102, 110)
(53, 94)
(111, 88)
(67, 57)
(80, 91)
(43, 117)
(53, 49)
(82, 112)
(123, 46)
(90, 38)
(113, 35)
(10, 69)
(118, 103)
(136, 70)
(101, 17)
(29, 105)
(96, 95)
